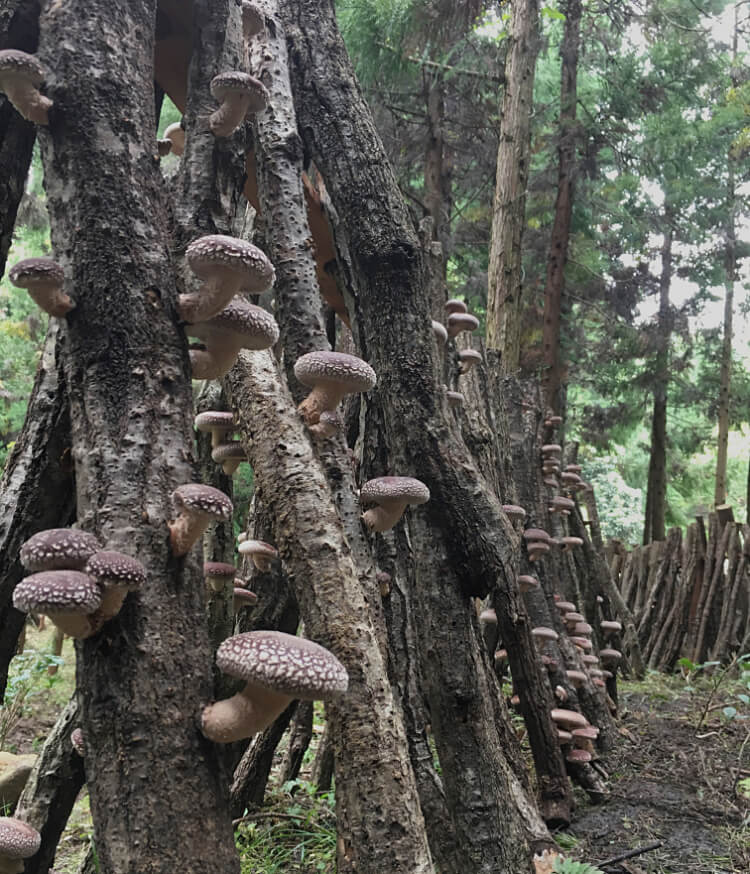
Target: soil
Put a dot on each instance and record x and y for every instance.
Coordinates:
(672, 782)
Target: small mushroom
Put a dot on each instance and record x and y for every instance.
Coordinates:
(468, 358)
(565, 607)
(568, 719)
(526, 583)
(18, 841)
(514, 512)
(77, 742)
(543, 635)
(454, 306)
(331, 375)
(392, 494)
(577, 678)
(240, 325)
(218, 423)
(458, 322)
(243, 598)
(261, 553)
(277, 668)
(116, 574)
(175, 133)
(537, 549)
(441, 334)
(43, 279)
(21, 75)
(252, 20)
(610, 627)
(217, 574)
(455, 399)
(240, 95)
(229, 456)
(578, 757)
(68, 597)
(328, 425)
(227, 265)
(610, 657)
(569, 542)
(197, 506)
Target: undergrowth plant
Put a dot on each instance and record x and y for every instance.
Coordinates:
(28, 676)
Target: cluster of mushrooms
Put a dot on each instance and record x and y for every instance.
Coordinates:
(458, 320)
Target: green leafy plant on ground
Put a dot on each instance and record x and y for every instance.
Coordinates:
(28, 677)
(568, 866)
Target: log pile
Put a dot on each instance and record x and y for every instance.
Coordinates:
(690, 594)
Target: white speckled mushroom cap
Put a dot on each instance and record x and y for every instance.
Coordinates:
(317, 368)
(284, 663)
(18, 840)
(58, 549)
(20, 63)
(110, 568)
(253, 326)
(77, 741)
(219, 569)
(231, 253)
(57, 592)
(215, 419)
(395, 488)
(34, 270)
(198, 498)
(228, 450)
(238, 82)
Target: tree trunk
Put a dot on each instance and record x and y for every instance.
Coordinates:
(147, 674)
(656, 500)
(299, 740)
(558, 250)
(438, 163)
(504, 291)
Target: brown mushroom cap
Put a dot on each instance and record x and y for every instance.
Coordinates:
(536, 534)
(197, 505)
(21, 75)
(569, 719)
(43, 278)
(589, 659)
(175, 133)
(582, 628)
(565, 606)
(577, 678)
(455, 399)
(581, 642)
(610, 656)
(77, 742)
(240, 95)
(392, 494)
(440, 332)
(454, 306)
(225, 451)
(58, 549)
(541, 632)
(18, 840)
(458, 322)
(218, 573)
(578, 757)
(468, 358)
(488, 617)
(61, 591)
(243, 598)
(572, 617)
(527, 582)
(220, 252)
(513, 511)
(283, 663)
(348, 372)
(109, 568)
(588, 733)
(261, 553)
(610, 626)
(216, 422)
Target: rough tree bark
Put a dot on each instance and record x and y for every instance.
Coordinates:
(143, 680)
(504, 273)
(656, 498)
(558, 249)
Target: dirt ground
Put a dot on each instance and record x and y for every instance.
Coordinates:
(672, 782)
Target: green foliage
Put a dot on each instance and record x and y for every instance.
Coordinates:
(568, 866)
(27, 677)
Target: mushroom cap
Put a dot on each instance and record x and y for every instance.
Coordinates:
(526, 582)
(573, 617)
(20, 63)
(440, 332)
(394, 488)
(197, 498)
(470, 355)
(581, 642)
(237, 82)
(31, 271)
(582, 628)
(462, 322)
(573, 468)
(58, 549)
(254, 327)
(455, 398)
(578, 756)
(543, 633)
(77, 741)
(576, 677)
(228, 450)
(565, 606)
(488, 617)
(513, 511)
(589, 732)
(61, 591)
(610, 656)
(283, 663)
(18, 840)
(336, 368)
(219, 569)
(568, 718)
(219, 251)
(553, 420)
(610, 625)
(552, 449)
(455, 306)
(537, 534)
(212, 420)
(257, 547)
(116, 569)
(559, 501)
(564, 737)
(589, 659)
(244, 595)
(538, 547)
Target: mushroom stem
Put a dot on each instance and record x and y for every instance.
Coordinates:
(113, 597)
(185, 530)
(230, 466)
(11, 866)
(249, 711)
(228, 117)
(210, 299)
(77, 625)
(50, 298)
(215, 361)
(384, 516)
(32, 105)
(321, 399)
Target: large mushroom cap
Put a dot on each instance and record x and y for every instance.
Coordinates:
(31, 270)
(58, 549)
(52, 592)
(250, 326)
(458, 322)
(206, 500)
(338, 368)
(395, 488)
(18, 840)
(284, 663)
(20, 63)
(218, 251)
(116, 569)
(568, 718)
(237, 82)
(215, 420)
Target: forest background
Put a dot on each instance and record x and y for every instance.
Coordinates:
(660, 141)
